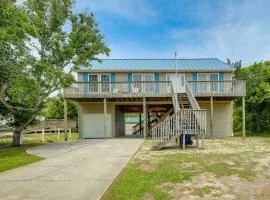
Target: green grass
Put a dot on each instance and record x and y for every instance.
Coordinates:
(134, 182)
(13, 157)
(16, 157)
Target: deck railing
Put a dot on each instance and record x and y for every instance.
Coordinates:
(119, 89)
(218, 88)
(227, 88)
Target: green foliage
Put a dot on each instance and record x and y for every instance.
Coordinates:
(11, 158)
(44, 42)
(257, 78)
(54, 108)
(237, 67)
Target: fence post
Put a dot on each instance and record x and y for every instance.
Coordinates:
(65, 119)
(43, 135)
(70, 136)
(58, 134)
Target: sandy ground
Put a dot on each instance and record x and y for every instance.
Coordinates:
(207, 186)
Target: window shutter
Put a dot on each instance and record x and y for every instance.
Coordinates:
(129, 81)
(221, 84)
(86, 79)
(156, 77)
(113, 80)
(194, 84)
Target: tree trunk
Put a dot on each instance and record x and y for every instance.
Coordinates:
(16, 142)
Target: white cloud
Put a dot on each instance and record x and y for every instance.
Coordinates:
(229, 29)
(241, 32)
(137, 10)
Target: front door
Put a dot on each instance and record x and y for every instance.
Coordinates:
(178, 82)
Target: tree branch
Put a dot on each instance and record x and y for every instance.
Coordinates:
(3, 101)
(28, 121)
(12, 109)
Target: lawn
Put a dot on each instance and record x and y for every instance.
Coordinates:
(13, 157)
(227, 169)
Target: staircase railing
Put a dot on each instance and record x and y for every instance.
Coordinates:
(191, 97)
(186, 121)
(175, 100)
(194, 105)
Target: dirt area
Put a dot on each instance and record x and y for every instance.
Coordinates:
(227, 169)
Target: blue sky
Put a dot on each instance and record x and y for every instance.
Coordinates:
(235, 29)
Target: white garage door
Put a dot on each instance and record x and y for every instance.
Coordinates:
(94, 126)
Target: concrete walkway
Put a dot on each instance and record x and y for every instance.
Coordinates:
(80, 170)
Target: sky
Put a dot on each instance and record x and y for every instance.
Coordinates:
(234, 29)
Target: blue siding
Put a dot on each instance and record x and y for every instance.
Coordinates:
(156, 76)
(221, 85)
(129, 81)
(113, 80)
(86, 79)
(194, 78)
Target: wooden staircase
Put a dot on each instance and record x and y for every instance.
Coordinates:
(183, 101)
(188, 119)
(155, 118)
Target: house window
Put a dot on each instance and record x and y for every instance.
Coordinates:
(93, 82)
(105, 82)
(143, 82)
(205, 85)
(214, 84)
(99, 82)
(149, 85)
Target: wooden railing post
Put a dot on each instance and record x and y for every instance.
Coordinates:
(243, 117)
(65, 117)
(105, 117)
(211, 116)
(145, 118)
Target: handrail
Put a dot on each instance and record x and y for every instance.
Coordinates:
(174, 98)
(186, 121)
(191, 98)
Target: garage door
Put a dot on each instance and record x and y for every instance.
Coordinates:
(94, 126)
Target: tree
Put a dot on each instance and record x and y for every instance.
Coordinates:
(237, 65)
(14, 29)
(54, 108)
(257, 78)
(58, 43)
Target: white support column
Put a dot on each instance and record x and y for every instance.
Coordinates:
(105, 118)
(145, 118)
(211, 115)
(65, 119)
(243, 117)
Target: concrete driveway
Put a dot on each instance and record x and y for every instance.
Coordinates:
(80, 170)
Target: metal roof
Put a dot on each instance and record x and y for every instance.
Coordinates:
(197, 64)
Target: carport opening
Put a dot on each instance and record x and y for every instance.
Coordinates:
(129, 119)
(133, 124)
